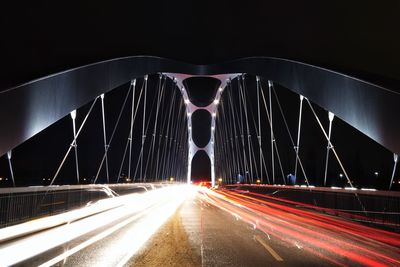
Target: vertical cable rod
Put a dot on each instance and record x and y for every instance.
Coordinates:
(298, 135)
(143, 126)
(9, 154)
(331, 116)
(104, 135)
(329, 143)
(259, 128)
(73, 117)
(131, 130)
(395, 158)
(272, 132)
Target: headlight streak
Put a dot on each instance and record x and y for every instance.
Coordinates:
(146, 205)
(326, 237)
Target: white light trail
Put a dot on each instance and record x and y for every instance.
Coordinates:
(152, 209)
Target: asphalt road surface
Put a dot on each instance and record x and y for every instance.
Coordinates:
(226, 228)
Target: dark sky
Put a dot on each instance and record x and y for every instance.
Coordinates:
(41, 37)
(357, 37)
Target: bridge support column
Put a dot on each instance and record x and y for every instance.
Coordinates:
(212, 109)
(192, 151)
(210, 148)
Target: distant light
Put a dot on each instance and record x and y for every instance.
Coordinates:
(9, 154)
(214, 114)
(189, 114)
(219, 179)
(1, 178)
(335, 187)
(190, 127)
(73, 114)
(146, 77)
(376, 173)
(187, 101)
(258, 181)
(341, 175)
(311, 186)
(172, 179)
(350, 188)
(212, 128)
(301, 98)
(368, 189)
(216, 101)
(303, 185)
(220, 89)
(102, 96)
(183, 88)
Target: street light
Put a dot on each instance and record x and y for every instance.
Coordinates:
(258, 181)
(171, 179)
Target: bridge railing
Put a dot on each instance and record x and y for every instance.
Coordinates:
(380, 208)
(18, 205)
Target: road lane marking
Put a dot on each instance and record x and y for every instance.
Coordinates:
(268, 248)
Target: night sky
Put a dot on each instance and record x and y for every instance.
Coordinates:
(360, 38)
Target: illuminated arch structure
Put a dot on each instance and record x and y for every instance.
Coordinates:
(27, 109)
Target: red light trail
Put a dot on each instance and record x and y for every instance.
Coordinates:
(332, 239)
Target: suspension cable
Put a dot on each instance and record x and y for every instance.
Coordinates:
(247, 126)
(113, 132)
(104, 135)
(290, 136)
(72, 143)
(143, 126)
(329, 143)
(130, 140)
